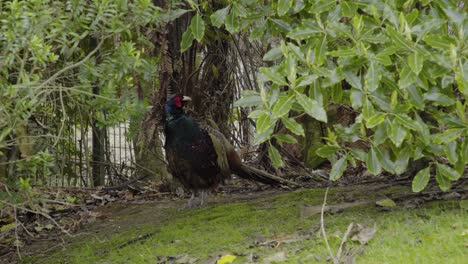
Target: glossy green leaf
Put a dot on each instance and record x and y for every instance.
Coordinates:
(304, 32)
(262, 137)
(218, 17)
(338, 168)
(349, 8)
(293, 126)
(407, 122)
(312, 107)
(274, 76)
(415, 62)
(187, 40)
(444, 183)
(198, 27)
(232, 23)
(273, 54)
(248, 100)
(401, 162)
(399, 40)
(275, 157)
(327, 151)
(320, 6)
(439, 41)
(285, 138)
(448, 172)
(439, 98)
(450, 150)
(283, 7)
(397, 133)
(384, 159)
(263, 123)
(282, 106)
(421, 179)
(372, 162)
(256, 114)
(320, 51)
(375, 120)
(373, 76)
(306, 80)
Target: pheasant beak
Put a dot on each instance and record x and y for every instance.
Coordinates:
(186, 99)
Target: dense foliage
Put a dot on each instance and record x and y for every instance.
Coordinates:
(70, 57)
(401, 65)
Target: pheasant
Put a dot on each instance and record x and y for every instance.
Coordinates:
(200, 157)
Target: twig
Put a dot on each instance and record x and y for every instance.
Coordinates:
(322, 228)
(39, 213)
(343, 241)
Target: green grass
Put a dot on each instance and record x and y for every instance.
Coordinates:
(430, 234)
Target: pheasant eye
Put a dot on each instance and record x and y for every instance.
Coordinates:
(177, 101)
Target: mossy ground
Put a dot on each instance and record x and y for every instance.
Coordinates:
(436, 232)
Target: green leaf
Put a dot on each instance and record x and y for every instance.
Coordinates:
(439, 41)
(399, 40)
(358, 154)
(448, 135)
(415, 62)
(321, 6)
(340, 53)
(373, 76)
(306, 80)
(384, 159)
(293, 126)
(273, 76)
(401, 163)
(396, 133)
(249, 100)
(421, 179)
(338, 168)
(285, 138)
(448, 172)
(262, 137)
(439, 98)
(218, 17)
(375, 120)
(304, 32)
(415, 96)
(273, 54)
(444, 183)
(198, 27)
(312, 107)
(450, 150)
(327, 151)
(283, 7)
(291, 69)
(275, 157)
(320, 51)
(356, 98)
(348, 8)
(232, 23)
(282, 106)
(187, 40)
(264, 122)
(407, 77)
(407, 122)
(256, 114)
(384, 59)
(372, 162)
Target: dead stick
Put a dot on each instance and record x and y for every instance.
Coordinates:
(322, 228)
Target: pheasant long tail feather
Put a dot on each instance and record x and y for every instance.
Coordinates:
(251, 173)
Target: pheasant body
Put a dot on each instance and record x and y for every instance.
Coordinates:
(199, 156)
